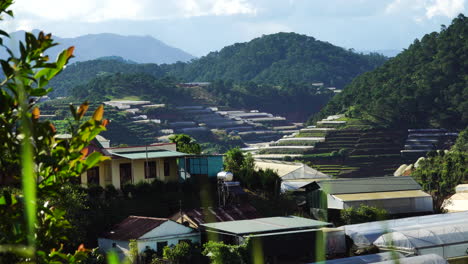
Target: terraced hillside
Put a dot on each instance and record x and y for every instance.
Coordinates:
(358, 153)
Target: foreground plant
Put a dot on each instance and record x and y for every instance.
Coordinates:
(33, 155)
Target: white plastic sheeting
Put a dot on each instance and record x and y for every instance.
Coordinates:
(447, 240)
(365, 259)
(365, 234)
(426, 259)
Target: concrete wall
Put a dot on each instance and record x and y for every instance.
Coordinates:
(121, 248)
(109, 171)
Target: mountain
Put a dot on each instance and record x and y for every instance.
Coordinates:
(280, 58)
(140, 49)
(426, 85)
(386, 52)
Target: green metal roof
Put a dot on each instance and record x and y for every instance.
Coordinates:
(265, 225)
(150, 154)
(368, 185)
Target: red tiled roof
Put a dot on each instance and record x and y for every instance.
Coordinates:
(220, 214)
(134, 227)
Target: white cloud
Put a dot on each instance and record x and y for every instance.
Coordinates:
(426, 9)
(448, 8)
(105, 10)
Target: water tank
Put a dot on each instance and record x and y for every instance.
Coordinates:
(225, 176)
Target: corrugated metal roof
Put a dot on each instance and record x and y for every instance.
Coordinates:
(381, 195)
(368, 185)
(134, 227)
(150, 154)
(219, 214)
(265, 225)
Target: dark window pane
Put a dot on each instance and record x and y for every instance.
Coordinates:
(150, 169)
(167, 168)
(93, 176)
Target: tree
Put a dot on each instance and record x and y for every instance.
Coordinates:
(220, 253)
(178, 254)
(185, 144)
(31, 229)
(461, 145)
(440, 173)
(362, 214)
(233, 160)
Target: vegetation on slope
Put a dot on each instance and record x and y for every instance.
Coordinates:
(279, 58)
(424, 86)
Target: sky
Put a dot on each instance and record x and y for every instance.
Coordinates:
(201, 26)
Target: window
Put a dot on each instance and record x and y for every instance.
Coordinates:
(160, 246)
(150, 169)
(167, 169)
(114, 245)
(93, 176)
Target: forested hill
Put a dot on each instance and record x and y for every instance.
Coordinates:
(425, 85)
(279, 58)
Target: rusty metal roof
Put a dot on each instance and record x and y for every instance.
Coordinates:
(134, 227)
(219, 214)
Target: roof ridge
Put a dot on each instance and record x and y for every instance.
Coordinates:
(148, 217)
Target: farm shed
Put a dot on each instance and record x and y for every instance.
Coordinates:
(148, 232)
(448, 241)
(287, 238)
(365, 234)
(293, 175)
(426, 259)
(365, 259)
(397, 195)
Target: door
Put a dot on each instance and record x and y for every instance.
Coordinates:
(125, 173)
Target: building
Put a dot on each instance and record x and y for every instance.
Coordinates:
(133, 165)
(196, 217)
(200, 166)
(148, 232)
(449, 241)
(293, 175)
(397, 195)
(279, 238)
(364, 235)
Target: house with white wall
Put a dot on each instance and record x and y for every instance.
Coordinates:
(133, 165)
(148, 233)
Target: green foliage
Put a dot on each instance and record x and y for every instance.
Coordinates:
(440, 173)
(30, 227)
(424, 86)
(233, 160)
(278, 59)
(461, 145)
(178, 254)
(220, 253)
(362, 214)
(133, 251)
(185, 144)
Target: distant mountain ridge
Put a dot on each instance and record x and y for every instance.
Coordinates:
(140, 49)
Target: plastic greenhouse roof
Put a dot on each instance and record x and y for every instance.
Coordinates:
(367, 233)
(425, 259)
(365, 259)
(427, 237)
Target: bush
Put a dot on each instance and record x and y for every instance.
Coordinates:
(362, 214)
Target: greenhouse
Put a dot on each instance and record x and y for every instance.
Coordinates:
(365, 234)
(426, 259)
(447, 240)
(365, 259)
